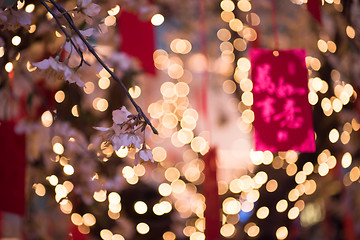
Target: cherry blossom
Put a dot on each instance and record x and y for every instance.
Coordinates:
(87, 9)
(123, 131)
(120, 116)
(77, 40)
(13, 19)
(127, 139)
(56, 70)
(143, 155)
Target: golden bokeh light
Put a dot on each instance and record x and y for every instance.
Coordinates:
(140, 207)
(47, 119)
(142, 228)
(157, 19)
(282, 233)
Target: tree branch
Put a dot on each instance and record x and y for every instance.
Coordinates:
(93, 52)
(68, 37)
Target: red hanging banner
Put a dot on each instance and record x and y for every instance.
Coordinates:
(12, 170)
(137, 39)
(314, 7)
(212, 211)
(283, 117)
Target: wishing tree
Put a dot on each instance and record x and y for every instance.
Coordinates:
(179, 119)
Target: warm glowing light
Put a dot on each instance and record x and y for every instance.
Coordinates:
(236, 25)
(89, 219)
(74, 111)
(2, 52)
(76, 219)
(53, 180)
(198, 144)
(122, 152)
(167, 89)
(323, 169)
(227, 16)
(39, 189)
(16, 40)
(59, 96)
(30, 8)
(231, 206)
(293, 195)
(58, 148)
(262, 212)
(272, 185)
(223, 34)
(178, 186)
(117, 237)
(68, 169)
(346, 160)
(66, 206)
(100, 196)
(128, 172)
(244, 5)
(157, 19)
(227, 230)
(175, 71)
(253, 231)
(114, 207)
(281, 233)
(89, 88)
(102, 104)
(47, 119)
(135, 92)
(165, 189)
(104, 83)
(350, 31)
(142, 228)
(140, 207)
(291, 169)
(354, 174)
(114, 198)
(308, 168)
(159, 154)
(300, 177)
(9, 67)
(169, 236)
(243, 64)
(293, 213)
(229, 86)
(114, 11)
(106, 234)
(323, 47)
(331, 46)
(110, 20)
(248, 116)
(282, 205)
(334, 135)
(253, 19)
(227, 5)
(172, 174)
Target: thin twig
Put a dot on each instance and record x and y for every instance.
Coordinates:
(68, 37)
(91, 49)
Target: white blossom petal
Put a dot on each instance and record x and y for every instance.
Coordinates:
(120, 116)
(103, 129)
(44, 64)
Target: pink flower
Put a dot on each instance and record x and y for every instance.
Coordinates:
(143, 155)
(77, 40)
(127, 139)
(54, 70)
(87, 9)
(13, 19)
(122, 133)
(120, 116)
